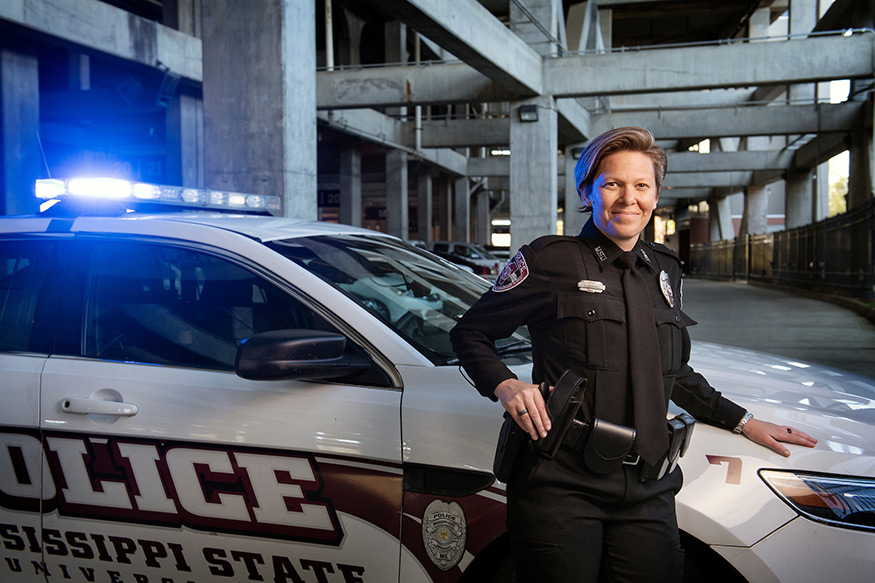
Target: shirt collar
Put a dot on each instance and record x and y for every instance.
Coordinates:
(606, 251)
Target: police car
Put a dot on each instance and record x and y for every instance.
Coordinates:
(214, 393)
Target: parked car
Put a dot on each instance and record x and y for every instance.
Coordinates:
(198, 395)
(472, 255)
(502, 253)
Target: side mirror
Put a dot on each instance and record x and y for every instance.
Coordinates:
(296, 355)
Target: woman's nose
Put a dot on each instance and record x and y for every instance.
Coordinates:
(627, 195)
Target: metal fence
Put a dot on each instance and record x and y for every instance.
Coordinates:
(833, 255)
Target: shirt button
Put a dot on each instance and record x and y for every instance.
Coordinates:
(677, 318)
(591, 313)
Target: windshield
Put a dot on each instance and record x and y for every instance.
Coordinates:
(418, 294)
(474, 251)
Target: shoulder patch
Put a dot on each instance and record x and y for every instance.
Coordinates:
(513, 274)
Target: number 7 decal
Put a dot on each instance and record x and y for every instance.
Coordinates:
(733, 472)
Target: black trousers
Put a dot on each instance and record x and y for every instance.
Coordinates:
(569, 525)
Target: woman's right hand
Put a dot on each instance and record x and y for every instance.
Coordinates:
(524, 403)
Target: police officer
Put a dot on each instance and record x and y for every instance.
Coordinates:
(607, 306)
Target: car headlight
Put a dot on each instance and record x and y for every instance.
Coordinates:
(846, 501)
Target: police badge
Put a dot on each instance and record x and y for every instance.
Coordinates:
(444, 533)
(665, 286)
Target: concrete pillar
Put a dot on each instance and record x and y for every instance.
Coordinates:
(861, 158)
(754, 221)
(350, 49)
(397, 213)
(351, 184)
(462, 208)
(78, 71)
(259, 69)
(424, 200)
(445, 209)
(799, 204)
(184, 122)
(533, 166)
(803, 19)
(533, 172)
(482, 217)
(523, 22)
(720, 219)
(184, 16)
(184, 142)
(22, 161)
(396, 161)
(573, 220)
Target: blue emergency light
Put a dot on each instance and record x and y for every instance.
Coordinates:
(54, 190)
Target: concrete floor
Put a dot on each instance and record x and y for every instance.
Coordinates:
(767, 320)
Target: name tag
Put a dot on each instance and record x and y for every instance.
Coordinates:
(589, 286)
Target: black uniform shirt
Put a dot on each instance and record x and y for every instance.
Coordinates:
(570, 294)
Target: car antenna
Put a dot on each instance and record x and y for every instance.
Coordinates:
(43, 154)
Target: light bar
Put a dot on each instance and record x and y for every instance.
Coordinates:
(141, 192)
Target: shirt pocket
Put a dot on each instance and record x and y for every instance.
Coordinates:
(594, 329)
(670, 324)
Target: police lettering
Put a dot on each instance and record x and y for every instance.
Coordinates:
(165, 558)
(222, 564)
(167, 483)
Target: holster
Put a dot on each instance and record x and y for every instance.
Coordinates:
(680, 433)
(562, 405)
(511, 439)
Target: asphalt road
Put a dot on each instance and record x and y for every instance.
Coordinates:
(749, 316)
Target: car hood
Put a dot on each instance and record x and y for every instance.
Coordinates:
(836, 406)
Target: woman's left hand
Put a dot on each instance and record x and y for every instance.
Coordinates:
(771, 435)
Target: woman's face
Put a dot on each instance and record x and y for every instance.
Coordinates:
(623, 196)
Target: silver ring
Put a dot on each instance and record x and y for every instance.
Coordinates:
(523, 412)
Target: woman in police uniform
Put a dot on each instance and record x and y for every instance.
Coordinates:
(606, 305)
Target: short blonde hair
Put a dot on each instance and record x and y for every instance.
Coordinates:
(625, 139)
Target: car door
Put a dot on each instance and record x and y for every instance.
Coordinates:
(168, 466)
(28, 304)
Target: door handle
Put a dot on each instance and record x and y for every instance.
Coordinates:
(85, 406)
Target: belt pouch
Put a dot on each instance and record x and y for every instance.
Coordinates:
(562, 406)
(680, 432)
(607, 446)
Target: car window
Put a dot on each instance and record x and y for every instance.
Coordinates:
(24, 268)
(465, 251)
(420, 296)
(442, 247)
(159, 304)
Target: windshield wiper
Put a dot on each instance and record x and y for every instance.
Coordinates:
(511, 347)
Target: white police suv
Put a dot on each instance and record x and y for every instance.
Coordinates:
(203, 395)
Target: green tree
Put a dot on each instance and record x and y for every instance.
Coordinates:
(838, 191)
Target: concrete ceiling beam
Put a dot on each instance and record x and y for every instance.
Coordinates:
(806, 60)
(469, 31)
(738, 121)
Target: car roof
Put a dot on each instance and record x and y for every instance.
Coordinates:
(260, 227)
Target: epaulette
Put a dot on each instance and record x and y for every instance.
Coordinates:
(660, 248)
(663, 250)
(546, 240)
